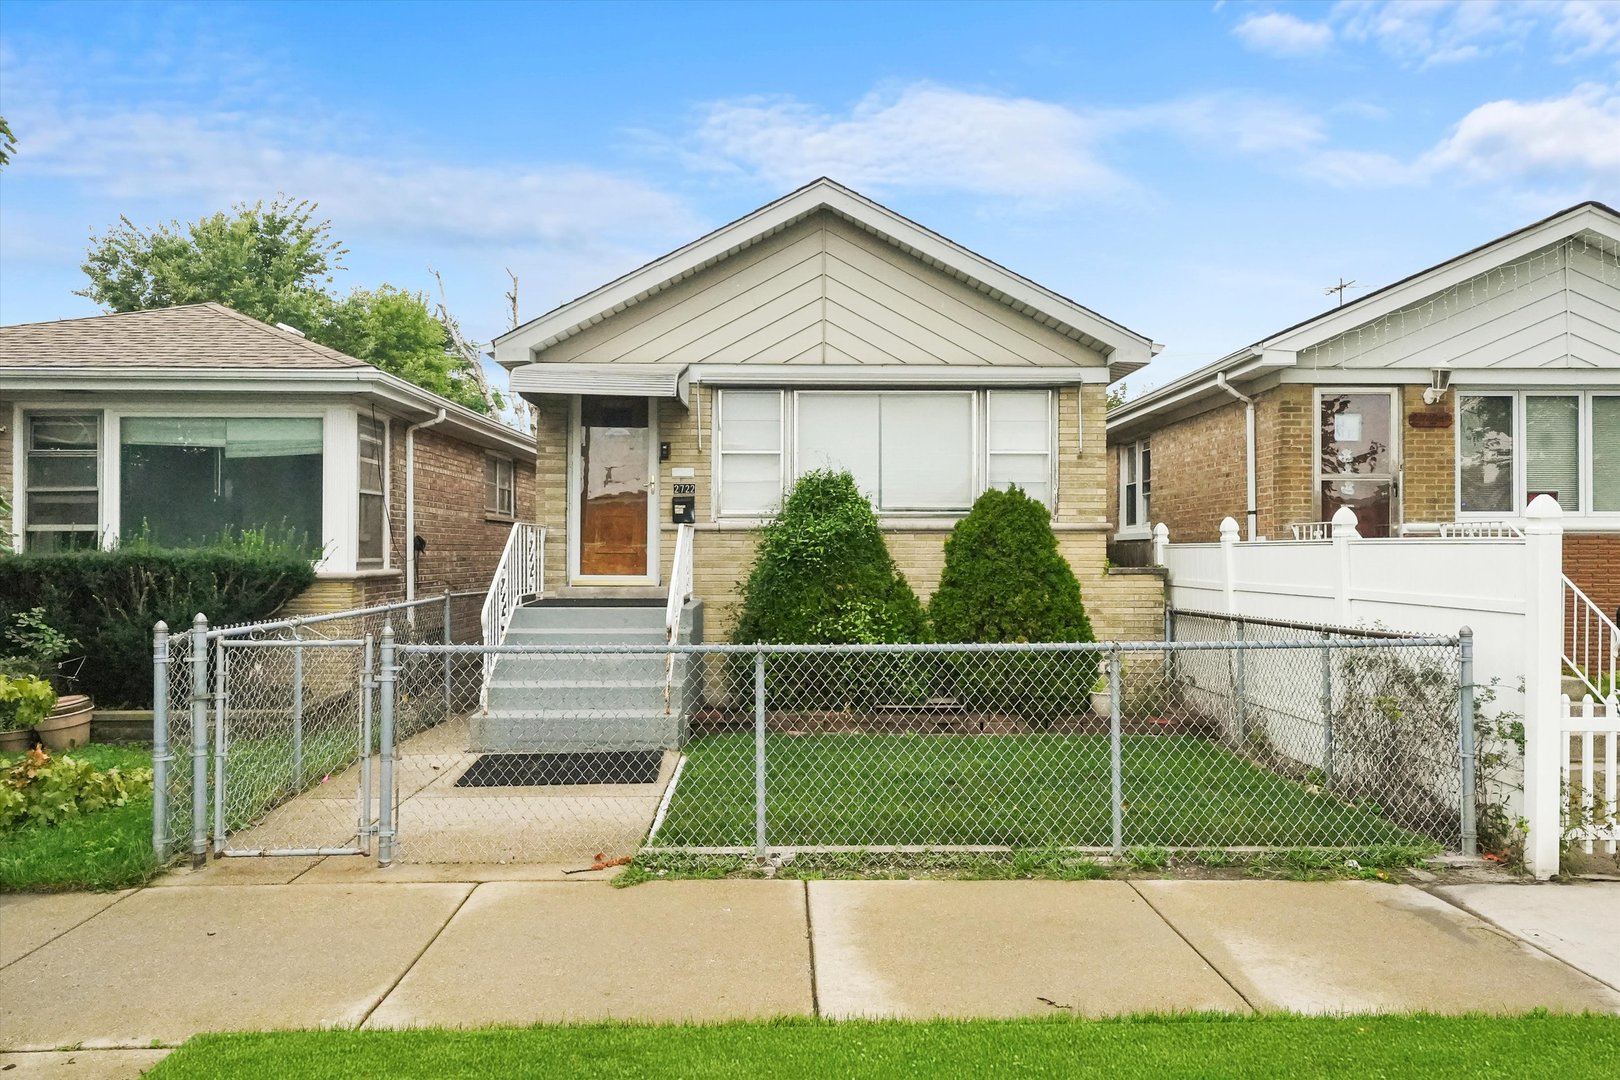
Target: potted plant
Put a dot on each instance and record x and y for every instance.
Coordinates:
(36, 651)
(25, 704)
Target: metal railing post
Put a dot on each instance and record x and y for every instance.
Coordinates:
(1115, 756)
(447, 637)
(1465, 740)
(1241, 681)
(363, 826)
(385, 780)
(759, 755)
(1327, 710)
(199, 741)
(298, 713)
(219, 747)
(160, 741)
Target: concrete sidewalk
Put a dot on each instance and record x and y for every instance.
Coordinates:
(355, 947)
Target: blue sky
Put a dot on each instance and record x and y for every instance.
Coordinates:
(1198, 172)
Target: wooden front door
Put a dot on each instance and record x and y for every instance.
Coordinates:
(614, 443)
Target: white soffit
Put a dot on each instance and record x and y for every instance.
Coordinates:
(603, 380)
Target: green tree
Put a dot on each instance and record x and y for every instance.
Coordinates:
(275, 263)
(8, 142)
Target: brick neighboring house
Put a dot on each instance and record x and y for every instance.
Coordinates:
(190, 420)
(820, 330)
(1454, 395)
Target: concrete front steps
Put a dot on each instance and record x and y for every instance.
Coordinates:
(592, 698)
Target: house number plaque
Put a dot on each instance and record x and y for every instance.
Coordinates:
(686, 489)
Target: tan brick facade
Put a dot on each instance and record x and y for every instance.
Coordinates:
(1123, 605)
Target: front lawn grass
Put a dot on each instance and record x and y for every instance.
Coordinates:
(109, 849)
(1366, 1048)
(1021, 791)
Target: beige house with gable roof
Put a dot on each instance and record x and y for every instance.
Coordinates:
(822, 330)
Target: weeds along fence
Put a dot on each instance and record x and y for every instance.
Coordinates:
(1227, 737)
(247, 717)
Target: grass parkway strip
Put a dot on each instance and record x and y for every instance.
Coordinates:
(1366, 1048)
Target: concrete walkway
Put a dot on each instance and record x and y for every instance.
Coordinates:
(296, 943)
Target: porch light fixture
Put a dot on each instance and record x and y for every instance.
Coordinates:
(1439, 383)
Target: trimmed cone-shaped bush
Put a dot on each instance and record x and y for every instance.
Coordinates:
(1005, 581)
(823, 575)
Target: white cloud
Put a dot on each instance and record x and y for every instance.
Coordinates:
(1428, 33)
(923, 136)
(1280, 34)
(1244, 123)
(1577, 133)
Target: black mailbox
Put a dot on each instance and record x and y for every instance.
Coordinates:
(683, 510)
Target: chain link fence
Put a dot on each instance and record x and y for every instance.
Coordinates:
(1233, 736)
(260, 731)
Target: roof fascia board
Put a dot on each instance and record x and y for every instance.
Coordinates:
(364, 380)
(1442, 277)
(1212, 397)
(1190, 389)
(893, 375)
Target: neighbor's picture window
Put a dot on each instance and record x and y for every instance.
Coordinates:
(500, 492)
(189, 480)
(1485, 449)
(62, 489)
(1136, 485)
(1514, 446)
(373, 513)
(1552, 449)
(1606, 453)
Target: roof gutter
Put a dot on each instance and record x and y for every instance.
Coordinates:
(410, 509)
(1248, 445)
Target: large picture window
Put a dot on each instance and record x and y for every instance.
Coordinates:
(62, 490)
(1513, 446)
(186, 481)
(910, 451)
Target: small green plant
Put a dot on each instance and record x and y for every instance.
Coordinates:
(34, 646)
(1148, 858)
(25, 700)
(50, 790)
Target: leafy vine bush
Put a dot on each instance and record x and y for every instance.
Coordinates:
(46, 790)
(25, 700)
(108, 600)
(1005, 581)
(823, 575)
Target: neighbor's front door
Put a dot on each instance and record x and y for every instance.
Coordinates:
(1357, 458)
(615, 486)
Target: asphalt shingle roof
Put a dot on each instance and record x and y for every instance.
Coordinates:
(193, 336)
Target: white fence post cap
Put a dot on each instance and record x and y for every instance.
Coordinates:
(1229, 529)
(1544, 514)
(1161, 531)
(1344, 522)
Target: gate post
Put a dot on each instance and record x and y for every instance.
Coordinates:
(199, 741)
(447, 657)
(363, 826)
(1115, 756)
(759, 755)
(385, 780)
(1465, 740)
(298, 712)
(1242, 681)
(160, 741)
(219, 747)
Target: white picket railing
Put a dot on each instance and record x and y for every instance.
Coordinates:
(1312, 530)
(680, 591)
(519, 576)
(1590, 775)
(1480, 530)
(1591, 641)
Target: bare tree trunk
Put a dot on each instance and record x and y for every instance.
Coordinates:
(467, 350)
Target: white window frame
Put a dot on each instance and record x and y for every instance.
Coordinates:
(360, 492)
(1397, 422)
(1051, 451)
(508, 513)
(1131, 453)
(1584, 464)
(720, 455)
(22, 488)
(791, 467)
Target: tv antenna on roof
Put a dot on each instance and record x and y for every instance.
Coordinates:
(1341, 288)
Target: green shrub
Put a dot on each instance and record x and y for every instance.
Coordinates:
(48, 790)
(109, 600)
(822, 575)
(24, 701)
(1005, 581)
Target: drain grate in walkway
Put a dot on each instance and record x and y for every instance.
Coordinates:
(542, 770)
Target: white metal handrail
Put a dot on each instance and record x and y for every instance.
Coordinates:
(1591, 641)
(519, 576)
(1593, 777)
(680, 591)
(1480, 530)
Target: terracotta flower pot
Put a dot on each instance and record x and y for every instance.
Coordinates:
(68, 725)
(15, 742)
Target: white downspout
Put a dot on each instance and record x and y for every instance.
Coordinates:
(1248, 440)
(410, 510)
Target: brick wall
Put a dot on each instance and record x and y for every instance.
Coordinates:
(1592, 561)
(1429, 458)
(1130, 605)
(7, 469)
(1285, 444)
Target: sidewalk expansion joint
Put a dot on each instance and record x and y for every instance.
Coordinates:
(1512, 936)
(810, 943)
(417, 959)
(1176, 930)
(69, 930)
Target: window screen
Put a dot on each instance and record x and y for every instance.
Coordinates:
(372, 464)
(62, 484)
